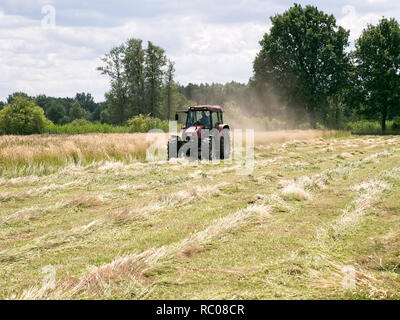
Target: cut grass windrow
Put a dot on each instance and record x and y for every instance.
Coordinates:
(327, 270)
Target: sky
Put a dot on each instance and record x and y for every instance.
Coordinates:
(54, 47)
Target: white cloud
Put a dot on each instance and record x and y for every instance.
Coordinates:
(62, 61)
(355, 22)
(376, 1)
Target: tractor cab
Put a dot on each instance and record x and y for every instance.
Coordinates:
(205, 116)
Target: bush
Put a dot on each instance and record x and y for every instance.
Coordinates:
(81, 126)
(374, 127)
(22, 117)
(365, 127)
(137, 124)
(80, 122)
(145, 123)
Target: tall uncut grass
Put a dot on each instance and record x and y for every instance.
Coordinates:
(43, 154)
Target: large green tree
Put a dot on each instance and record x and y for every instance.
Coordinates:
(55, 111)
(303, 56)
(377, 61)
(23, 117)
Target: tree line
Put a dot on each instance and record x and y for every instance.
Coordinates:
(64, 110)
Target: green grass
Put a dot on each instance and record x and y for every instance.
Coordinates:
(86, 217)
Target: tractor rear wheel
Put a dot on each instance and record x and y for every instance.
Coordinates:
(225, 144)
(212, 152)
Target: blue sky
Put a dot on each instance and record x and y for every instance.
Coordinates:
(210, 41)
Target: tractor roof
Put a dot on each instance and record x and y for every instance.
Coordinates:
(205, 108)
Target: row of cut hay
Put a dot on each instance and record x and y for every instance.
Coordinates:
(297, 187)
(328, 273)
(368, 193)
(166, 200)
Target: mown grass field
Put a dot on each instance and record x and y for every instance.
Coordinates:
(121, 228)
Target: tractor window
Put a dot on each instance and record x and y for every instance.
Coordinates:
(216, 119)
(199, 118)
(190, 119)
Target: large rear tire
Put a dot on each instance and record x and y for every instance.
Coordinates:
(212, 155)
(225, 144)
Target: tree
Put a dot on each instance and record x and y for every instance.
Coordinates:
(105, 116)
(377, 60)
(155, 60)
(100, 107)
(134, 69)
(169, 85)
(76, 111)
(12, 97)
(43, 101)
(303, 56)
(86, 101)
(22, 117)
(55, 112)
(117, 97)
(136, 76)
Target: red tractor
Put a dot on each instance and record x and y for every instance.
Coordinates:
(204, 136)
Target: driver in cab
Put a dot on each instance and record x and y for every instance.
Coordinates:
(205, 120)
